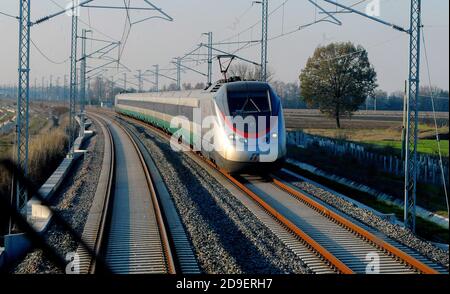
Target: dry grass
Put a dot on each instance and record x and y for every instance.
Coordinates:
(360, 123)
(373, 134)
(46, 150)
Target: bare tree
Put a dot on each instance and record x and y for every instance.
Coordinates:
(248, 72)
(200, 86)
(172, 87)
(187, 86)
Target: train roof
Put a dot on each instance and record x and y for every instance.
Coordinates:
(208, 93)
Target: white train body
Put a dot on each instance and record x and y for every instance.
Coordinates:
(235, 147)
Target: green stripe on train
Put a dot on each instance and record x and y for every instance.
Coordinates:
(157, 122)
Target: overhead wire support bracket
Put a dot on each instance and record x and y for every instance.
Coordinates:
(160, 74)
(330, 14)
(100, 51)
(69, 8)
(194, 70)
(352, 10)
(236, 56)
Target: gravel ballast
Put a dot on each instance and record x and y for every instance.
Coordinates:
(227, 238)
(73, 201)
(396, 232)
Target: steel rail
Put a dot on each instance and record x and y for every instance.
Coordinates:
(95, 226)
(327, 255)
(99, 232)
(362, 233)
(186, 261)
(157, 209)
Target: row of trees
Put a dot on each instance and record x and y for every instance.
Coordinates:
(394, 101)
(338, 79)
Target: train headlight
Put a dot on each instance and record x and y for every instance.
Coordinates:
(274, 135)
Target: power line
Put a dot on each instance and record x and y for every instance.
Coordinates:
(87, 23)
(435, 121)
(45, 56)
(238, 19)
(255, 24)
(9, 15)
(290, 32)
(126, 32)
(304, 26)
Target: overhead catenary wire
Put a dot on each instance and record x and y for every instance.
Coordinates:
(9, 15)
(251, 44)
(126, 29)
(306, 25)
(441, 164)
(243, 45)
(255, 24)
(88, 24)
(46, 56)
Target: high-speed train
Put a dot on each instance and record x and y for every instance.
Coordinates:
(245, 129)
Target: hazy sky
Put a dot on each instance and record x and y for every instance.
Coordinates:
(158, 41)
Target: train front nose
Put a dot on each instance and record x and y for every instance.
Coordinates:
(252, 126)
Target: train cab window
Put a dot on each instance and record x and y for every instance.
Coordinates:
(245, 103)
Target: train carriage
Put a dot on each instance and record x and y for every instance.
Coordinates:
(247, 129)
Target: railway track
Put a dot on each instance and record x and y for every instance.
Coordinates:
(126, 225)
(347, 246)
(326, 240)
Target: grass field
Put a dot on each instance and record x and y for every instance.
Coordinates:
(380, 131)
(381, 120)
(47, 147)
(47, 142)
(425, 146)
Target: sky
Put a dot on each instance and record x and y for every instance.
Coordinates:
(158, 41)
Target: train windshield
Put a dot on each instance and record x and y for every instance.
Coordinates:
(249, 103)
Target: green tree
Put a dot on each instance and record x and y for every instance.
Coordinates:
(337, 79)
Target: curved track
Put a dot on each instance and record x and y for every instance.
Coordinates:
(128, 230)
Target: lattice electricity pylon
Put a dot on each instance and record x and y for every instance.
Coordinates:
(23, 99)
(210, 57)
(83, 69)
(264, 39)
(156, 66)
(178, 65)
(83, 76)
(157, 72)
(412, 119)
(140, 81)
(412, 116)
(99, 54)
(73, 79)
(23, 96)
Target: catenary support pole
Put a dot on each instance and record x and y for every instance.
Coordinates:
(23, 97)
